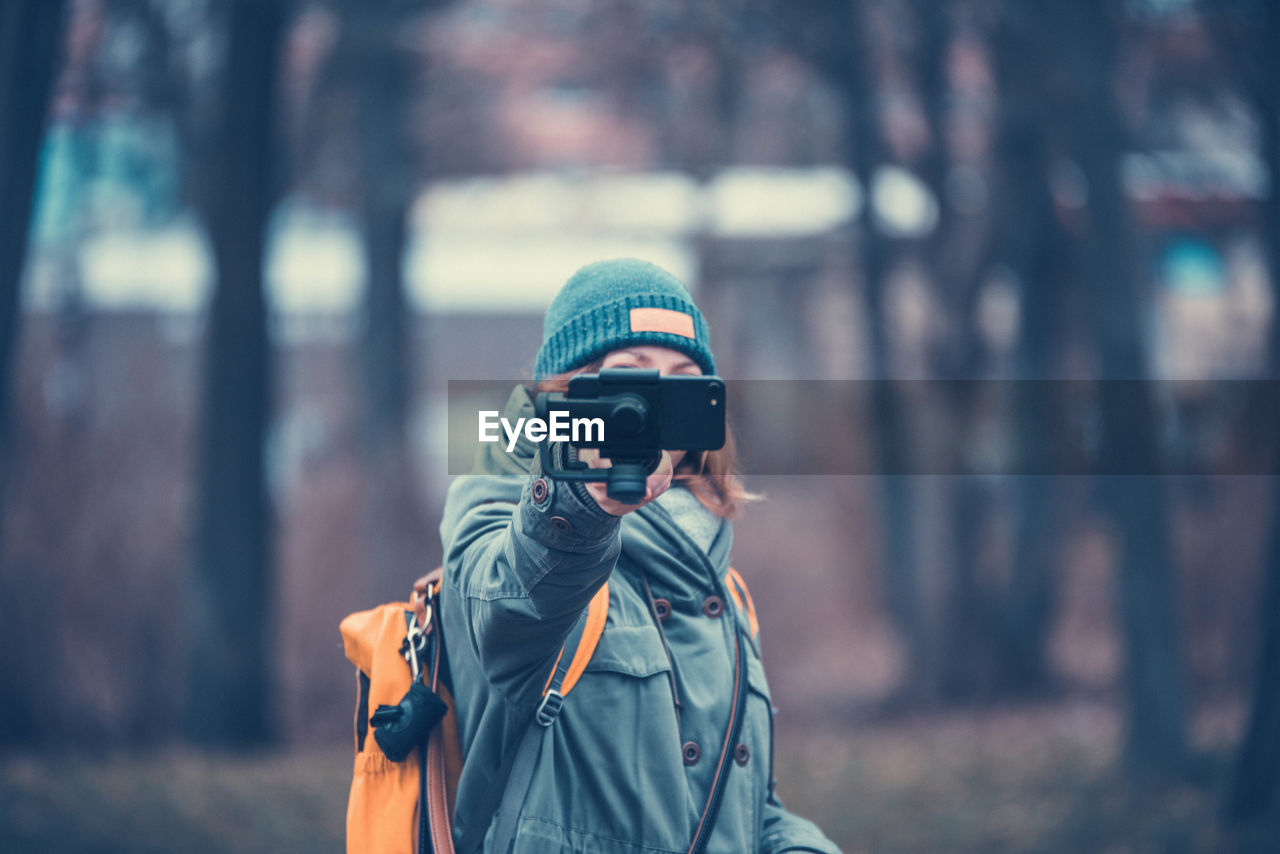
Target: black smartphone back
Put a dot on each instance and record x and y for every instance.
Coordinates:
(692, 413)
(688, 412)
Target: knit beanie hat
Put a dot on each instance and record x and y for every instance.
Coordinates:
(618, 303)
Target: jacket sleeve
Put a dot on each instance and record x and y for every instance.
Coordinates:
(785, 831)
(523, 572)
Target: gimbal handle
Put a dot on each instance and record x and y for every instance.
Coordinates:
(625, 480)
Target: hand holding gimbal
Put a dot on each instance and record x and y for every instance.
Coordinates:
(631, 415)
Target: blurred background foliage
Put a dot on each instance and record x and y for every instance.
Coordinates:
(245, 243)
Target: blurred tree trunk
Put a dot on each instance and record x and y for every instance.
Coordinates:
(1256, 784)
(1137, 504)
(853, 73)
(835, 39)
(30, 34)
(712, 24)
(1257, 771)
(933, 40)
(394, 524)
(958, 255)
(231, 600)
(1031, 243)
(371, 31)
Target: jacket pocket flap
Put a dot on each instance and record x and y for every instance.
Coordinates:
(755, 672)
(633, 650)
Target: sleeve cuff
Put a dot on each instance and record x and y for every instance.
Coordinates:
(562, 515)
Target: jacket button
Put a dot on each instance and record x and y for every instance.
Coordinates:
(741, 754)
(561, 524)
(662, 608)
(691, 753)
(713, 606)
(539, 490)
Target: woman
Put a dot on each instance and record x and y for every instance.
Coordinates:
(665, 743)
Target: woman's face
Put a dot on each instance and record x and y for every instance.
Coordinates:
(649, 357)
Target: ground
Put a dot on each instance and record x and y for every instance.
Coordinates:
(1041, 778)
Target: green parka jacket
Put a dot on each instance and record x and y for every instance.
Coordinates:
(622, 769)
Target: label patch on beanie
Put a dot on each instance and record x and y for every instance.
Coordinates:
(662, 320)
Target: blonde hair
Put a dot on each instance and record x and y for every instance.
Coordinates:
(710, 475)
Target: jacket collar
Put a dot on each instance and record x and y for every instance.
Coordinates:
(651, 538)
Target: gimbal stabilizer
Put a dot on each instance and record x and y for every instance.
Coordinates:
(631, 415)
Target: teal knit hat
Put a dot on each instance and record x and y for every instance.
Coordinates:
(613, 304)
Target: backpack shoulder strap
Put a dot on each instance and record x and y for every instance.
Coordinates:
(742, 598)
(583, 639)
(510, 785)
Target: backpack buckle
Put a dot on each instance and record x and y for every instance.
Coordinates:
(549, 708)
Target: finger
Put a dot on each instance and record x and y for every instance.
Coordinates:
(665, 464)
(658, 482)
(591, 456)
(665, 468)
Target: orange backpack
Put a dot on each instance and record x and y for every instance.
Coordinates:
(399, 807)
